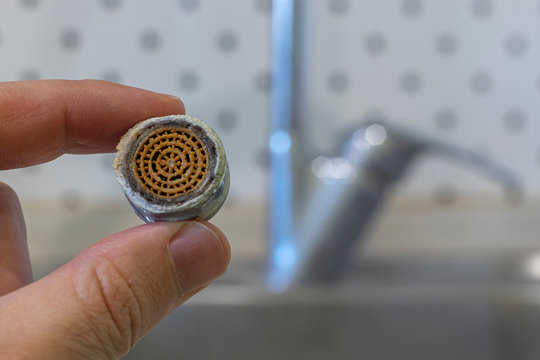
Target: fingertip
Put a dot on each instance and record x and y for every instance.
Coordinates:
(221, 236)
(198, 254)
(175, 99)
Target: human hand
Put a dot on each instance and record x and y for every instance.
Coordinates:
(102, 302)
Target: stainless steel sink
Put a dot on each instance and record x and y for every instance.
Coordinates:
(400, 310)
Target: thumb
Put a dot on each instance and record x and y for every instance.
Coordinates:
(101, 303)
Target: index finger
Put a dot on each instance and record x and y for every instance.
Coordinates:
(41, 120)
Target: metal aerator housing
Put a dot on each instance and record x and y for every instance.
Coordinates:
(172, 168)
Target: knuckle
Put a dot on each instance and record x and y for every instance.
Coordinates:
(111, 304)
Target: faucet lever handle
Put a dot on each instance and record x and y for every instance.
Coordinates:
(399, 139)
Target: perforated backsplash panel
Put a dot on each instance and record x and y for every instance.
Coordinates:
(465, 71)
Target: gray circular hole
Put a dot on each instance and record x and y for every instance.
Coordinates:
(410, 82)
(515, 45)
(227, 120)
(338, 81)
(411, 8)
(481, 82)
(150, 40)
(70, 39)
(111, 75)
(446, 120)
(188, 80)
(514, 120)
(375, 43)
(189, 5)
(263, 81)
(444, 195)
(264, 6)
(446, 44)
(339, 7)
(482, 8)
(227, 41)
(71, 200)
(110, 4)
(29, 74)
(29, 3)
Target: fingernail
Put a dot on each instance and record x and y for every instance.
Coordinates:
(198, 255)
(172, 97)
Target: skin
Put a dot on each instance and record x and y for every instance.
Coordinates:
(102, 302)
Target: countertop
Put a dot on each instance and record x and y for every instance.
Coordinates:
(409, 227)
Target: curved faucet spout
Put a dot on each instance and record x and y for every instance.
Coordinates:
(352, 187)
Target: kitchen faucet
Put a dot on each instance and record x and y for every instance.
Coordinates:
(320, 206)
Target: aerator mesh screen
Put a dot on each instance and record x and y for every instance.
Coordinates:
(171, 162)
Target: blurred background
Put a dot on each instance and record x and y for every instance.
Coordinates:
(453, 259)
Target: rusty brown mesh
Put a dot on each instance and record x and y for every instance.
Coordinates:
(171, 162)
